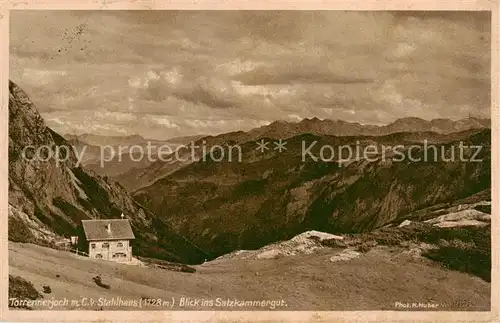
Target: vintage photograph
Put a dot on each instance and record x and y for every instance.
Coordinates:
(173, 160)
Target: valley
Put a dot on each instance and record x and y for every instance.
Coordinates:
(251, 227)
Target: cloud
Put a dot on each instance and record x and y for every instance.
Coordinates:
(41, 76)
(162, 121)
(292, 75)
(170, 73)
(118, 117)
(217, 93)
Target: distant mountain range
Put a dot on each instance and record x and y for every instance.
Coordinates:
(97, 146)
(315, 126)
(101, 140)
(141, 176)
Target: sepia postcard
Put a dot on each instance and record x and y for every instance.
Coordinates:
(294, 163)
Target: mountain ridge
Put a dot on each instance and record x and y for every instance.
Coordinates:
(139, 177)
(344, 128)
(439, 125)
(47, 195)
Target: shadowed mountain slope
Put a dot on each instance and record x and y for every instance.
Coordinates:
(226, 206)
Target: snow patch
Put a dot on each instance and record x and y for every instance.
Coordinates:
(467, 217)
(461, 223)
(404, 223)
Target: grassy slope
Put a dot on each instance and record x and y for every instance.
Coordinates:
(373, 281)
(466, 249)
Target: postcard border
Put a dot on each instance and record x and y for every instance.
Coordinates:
(249, 316)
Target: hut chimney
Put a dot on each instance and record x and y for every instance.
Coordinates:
(108, 227)
(123, 216)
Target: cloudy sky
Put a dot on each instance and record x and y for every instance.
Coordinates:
(172, 73)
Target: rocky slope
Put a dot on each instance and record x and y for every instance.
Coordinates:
(226, 206)
(48, 197)
(458, 236)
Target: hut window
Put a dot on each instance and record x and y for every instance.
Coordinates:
(105, 245)
(119, 244)
(98, 255)
(92, 245)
